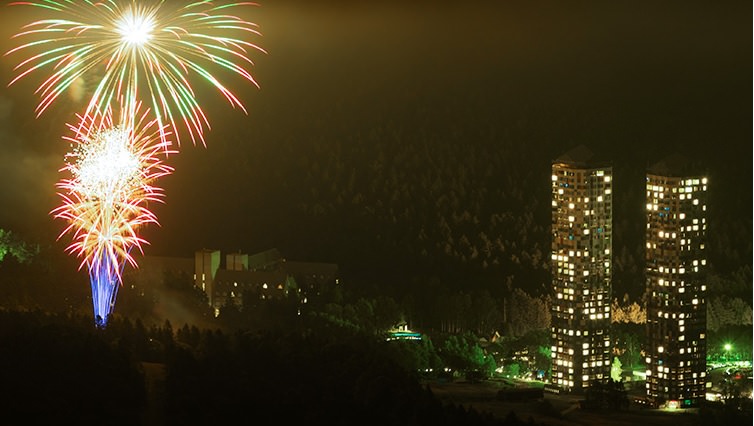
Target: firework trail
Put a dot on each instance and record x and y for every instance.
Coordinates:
(155, 45)
(111, 171)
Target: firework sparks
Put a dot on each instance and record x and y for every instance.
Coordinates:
(156, 46)
(111, 168)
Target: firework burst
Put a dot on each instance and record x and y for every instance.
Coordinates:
(156, 45)
(111, 170)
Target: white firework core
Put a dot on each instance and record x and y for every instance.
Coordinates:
(106, 167)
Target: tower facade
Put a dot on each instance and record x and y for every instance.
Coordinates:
(581, 270)
(675, 275)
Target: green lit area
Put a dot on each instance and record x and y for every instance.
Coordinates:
(404, 335)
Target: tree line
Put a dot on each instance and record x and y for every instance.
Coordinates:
(61, 368)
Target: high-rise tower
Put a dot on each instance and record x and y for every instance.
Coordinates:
(581, 270)
(675, 274)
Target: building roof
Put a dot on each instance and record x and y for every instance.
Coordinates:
(675, 165)
(265, 259)
(581, 156)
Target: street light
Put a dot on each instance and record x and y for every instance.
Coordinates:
(727, 348)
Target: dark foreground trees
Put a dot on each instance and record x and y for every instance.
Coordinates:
(61, 369)
(56, 371)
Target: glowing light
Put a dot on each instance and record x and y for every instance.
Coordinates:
(124, 46)
(135, 29)
(111, 170)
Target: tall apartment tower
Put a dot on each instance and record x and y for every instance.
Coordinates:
(675, 276)
(581, 270)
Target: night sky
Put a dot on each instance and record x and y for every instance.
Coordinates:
(626, 77)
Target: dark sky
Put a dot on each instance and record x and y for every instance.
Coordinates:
(625, 76)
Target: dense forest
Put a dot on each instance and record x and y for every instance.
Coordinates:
(60, 368)
(450, 223)
(463, 209)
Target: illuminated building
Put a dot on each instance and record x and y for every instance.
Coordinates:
(206, 264)
(581, 270)
(676, 231)
(265, 276)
